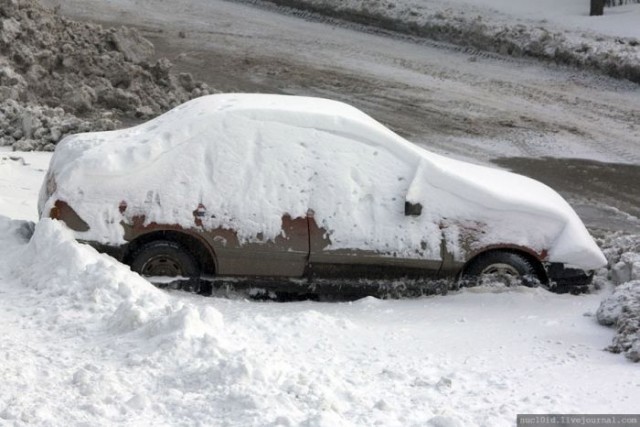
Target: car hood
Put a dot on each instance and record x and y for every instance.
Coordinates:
(500, 208)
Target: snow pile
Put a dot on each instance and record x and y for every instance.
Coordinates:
(295, 155)
(622, 308)
(29, 127)
(14, 233)
(94, 290)
(80, 295)
(149, 357)
(59, 77)
(623, 254)
(471, 25)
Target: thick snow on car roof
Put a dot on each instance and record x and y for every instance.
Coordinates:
(140, 145)
(251, 159)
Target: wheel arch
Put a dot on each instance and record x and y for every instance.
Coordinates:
(534, 258)
(196, 246)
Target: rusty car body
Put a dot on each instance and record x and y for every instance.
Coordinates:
(302, 254)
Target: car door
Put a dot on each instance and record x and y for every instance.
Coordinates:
(256, 220)
(369, 232)
(283, 256)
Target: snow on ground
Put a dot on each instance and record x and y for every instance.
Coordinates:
(87, 342)
(563, 34)
(622, 21)
(77, 327)
(20, 175)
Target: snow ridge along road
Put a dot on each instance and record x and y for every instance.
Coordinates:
(563, 34)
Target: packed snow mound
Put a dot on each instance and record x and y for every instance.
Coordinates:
(248, 160)
(622, 308)
(93, 289)
(59, 77)
(623, 256)
(83, 295)
(482, 26)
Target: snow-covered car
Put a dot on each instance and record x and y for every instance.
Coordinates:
(285, 187)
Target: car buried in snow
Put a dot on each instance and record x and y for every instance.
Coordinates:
(298, 192)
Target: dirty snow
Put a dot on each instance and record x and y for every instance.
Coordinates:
(619, 21)
(292, 155)
(622, 308)
(456, 102)
(565, 35)
(59, 77)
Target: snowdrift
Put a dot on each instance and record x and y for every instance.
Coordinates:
(147, 351)
(621, 309)
(96, 292)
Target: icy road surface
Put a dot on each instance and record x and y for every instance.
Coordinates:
(473, 106)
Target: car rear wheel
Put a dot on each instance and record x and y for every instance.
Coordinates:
(164, 258)
(509, 268)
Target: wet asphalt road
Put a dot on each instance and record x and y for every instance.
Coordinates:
(605, 195)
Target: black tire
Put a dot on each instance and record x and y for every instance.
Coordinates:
(164, 258)
(502, 266)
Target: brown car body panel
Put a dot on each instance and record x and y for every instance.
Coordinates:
(61, 210)
(285, 256)
(301, 250)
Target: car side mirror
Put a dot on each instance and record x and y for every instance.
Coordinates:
(412, 209)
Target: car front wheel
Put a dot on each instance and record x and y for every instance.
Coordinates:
(508, 268)
(164, 258)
